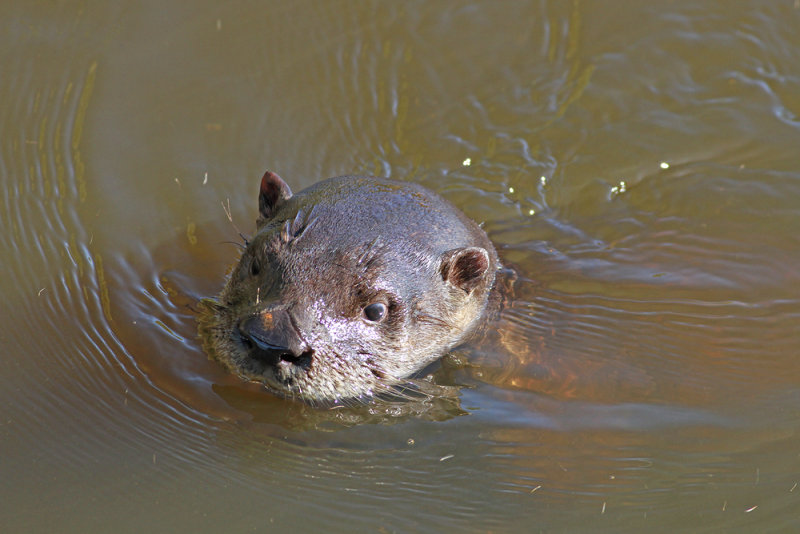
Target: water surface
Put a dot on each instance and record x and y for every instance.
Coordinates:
(635, 162)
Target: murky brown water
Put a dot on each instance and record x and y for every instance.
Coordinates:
(638, 162)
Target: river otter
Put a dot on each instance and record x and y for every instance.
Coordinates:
(348, 287)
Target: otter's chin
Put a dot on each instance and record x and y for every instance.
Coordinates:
(301, 381)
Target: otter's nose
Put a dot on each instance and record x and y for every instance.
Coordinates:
(270, 346)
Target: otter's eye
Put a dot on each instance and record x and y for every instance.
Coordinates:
(255, 268)
(375, 312)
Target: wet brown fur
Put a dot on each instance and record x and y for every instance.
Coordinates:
(319, 258)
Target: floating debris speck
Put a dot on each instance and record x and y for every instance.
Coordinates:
(467, 162)
(511, 190)
(543, 180)
(664, 165)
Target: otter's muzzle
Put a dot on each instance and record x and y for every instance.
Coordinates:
(270, 337)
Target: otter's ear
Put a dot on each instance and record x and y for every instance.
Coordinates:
(464, 267)
(272, 194)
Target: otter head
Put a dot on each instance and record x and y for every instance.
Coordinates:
(349, 287)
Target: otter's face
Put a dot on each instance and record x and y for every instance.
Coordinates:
(340, 321)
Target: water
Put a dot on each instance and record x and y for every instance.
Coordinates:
(635, 162)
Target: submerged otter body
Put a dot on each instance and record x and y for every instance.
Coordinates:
(350, 286)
